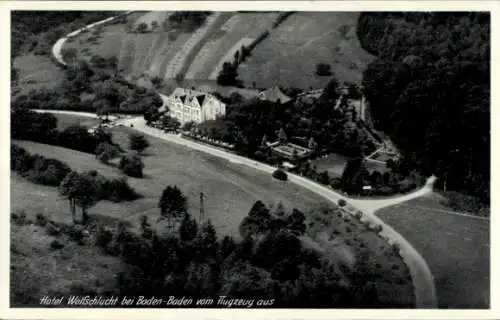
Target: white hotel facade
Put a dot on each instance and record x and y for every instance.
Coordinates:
(190, 105)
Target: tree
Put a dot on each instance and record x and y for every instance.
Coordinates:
(138, 142)
(172, 204)
(81, 191)
(105, 152)
(142, 27)
(146, 230)
(69, 189)
(227, 76)
(282, 135)
(170, 124)
(330, 93)
(188, 229)
(324, 178)
(296, 222)
(244, 280)
(263, 143)
(323, 69)
(312, 144)
(157, 82)
(189, 126)
(206, 242)
(131, 166)
(154, 25)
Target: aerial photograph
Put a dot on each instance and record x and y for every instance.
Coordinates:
(250, 159)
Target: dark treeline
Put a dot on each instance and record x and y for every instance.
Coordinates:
(27, 27)
(52, 172)
(42, 127)
(429, 90)
(270, 263)
(187, 20)
(91, 86)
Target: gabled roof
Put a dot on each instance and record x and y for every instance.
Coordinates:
(187, 94)
(274, 94)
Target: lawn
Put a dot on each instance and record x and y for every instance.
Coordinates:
(288, 57)
(455, 247)
(37, 270)
(239, 26)
(66, 120)
(36, 72)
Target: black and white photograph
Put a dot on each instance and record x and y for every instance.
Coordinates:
(197, 158)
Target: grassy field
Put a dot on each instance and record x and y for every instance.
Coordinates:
(455, 247)
(38, 270)
(230, 189)
(238, 27)
(36, 72)
(288, 57)
(65, 120)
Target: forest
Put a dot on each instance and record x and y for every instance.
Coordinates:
(429, 89)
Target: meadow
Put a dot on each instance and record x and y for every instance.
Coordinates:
(227, 39)
(288, 57)
(230, 189)
(455, 247)
(36, 72)
(38, 270)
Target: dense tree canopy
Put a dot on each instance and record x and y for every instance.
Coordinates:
(429, 90)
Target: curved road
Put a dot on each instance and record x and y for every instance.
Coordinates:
(423, 282)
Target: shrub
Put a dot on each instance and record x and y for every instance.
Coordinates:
(342, 203)
(52, 229)
(323, 69)
(280, 175)
(106, 151)
(358, 215)
(41, 220)
(19, 218)
(119, 190)
(378, 228)
(75, 232)
(131, 166)
(56, 244)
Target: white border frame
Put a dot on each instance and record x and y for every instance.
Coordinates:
(38, 313)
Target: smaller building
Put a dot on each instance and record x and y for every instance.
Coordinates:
(274, 94)
(291, 151)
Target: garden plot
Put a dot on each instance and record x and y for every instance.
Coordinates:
(288, 57)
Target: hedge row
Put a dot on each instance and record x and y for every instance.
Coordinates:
(47, 171)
